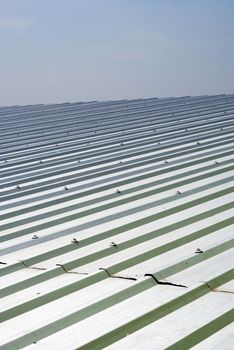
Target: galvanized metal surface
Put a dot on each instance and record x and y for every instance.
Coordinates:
(117, 224)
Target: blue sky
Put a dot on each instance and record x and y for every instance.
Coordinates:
(80, 50)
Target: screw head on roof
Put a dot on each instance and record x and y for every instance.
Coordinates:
(198, 143)
(113, 244)
(74, 240)
(165, 161)
(198, 251)
(118, 191)
(65, 188)
(35, 237)
(178, 192)
(18, 186)
(216, 162)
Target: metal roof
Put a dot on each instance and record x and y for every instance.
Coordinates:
(116, 224)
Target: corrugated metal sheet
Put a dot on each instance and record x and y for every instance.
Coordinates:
(116, 224)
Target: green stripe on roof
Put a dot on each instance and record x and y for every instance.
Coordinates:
(204, 332)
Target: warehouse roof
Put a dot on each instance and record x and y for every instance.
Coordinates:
(116, 224)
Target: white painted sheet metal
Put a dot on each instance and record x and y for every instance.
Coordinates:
(116, 225)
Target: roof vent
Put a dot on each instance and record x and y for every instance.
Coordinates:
(198, 251)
